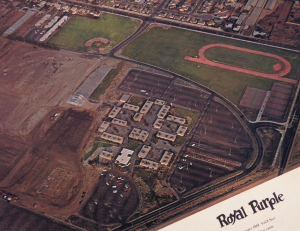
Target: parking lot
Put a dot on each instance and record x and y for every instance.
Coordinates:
(145, 83)
(218, 146)
(114, 200)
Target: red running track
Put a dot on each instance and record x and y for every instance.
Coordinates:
(278, 76)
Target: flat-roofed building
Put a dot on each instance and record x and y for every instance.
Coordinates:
(149, 164)
(137, 117)
(119, 122)
(181, 130)
(103, 126)
(144, 151)
(131, 107)
(158, 123)
(124, 157)
(112, 138)
(135, 133)
(163, 111)
(146, 107)
(176, 119)
(139, 134)
(159, 102)
(124, 98)
(106, 155)
(166, 158)
(143, 135)
(114, 112)
(166, 136)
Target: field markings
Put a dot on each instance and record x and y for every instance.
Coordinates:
(203, 60)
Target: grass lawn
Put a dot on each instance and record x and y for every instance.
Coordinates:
(80, 29)
(106, 82)
(167, 49)
(243, 59)
(192, 114)
(133, 144)
(135, 100)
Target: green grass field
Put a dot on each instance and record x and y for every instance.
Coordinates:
(167, 49)
(243, 59)
(192, 114)
(80, 29)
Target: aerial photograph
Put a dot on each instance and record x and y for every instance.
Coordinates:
(134, 114)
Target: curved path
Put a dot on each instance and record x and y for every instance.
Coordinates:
(278, 76)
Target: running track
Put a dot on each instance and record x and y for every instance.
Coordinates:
(278, 76)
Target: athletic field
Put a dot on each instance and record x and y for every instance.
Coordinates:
(80, 29)
(168, 48)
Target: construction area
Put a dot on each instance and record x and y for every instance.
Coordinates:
(42, 138)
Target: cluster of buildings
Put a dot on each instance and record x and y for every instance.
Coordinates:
(134, 7)
(73, 9)
(182, 6)
(53, 28)
(137, 133)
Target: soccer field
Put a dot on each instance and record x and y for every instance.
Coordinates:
(80, 29)
(167, 49)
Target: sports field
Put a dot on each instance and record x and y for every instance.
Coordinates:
(239, 58)
(168, 48)
(80, 29)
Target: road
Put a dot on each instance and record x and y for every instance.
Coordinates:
(204, 29)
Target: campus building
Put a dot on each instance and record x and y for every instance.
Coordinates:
(112, 138)
(114, 112)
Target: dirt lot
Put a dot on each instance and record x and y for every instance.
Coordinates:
(41, 157)
(281, 31)
(9, 18)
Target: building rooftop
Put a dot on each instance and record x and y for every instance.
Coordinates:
(146, 107)
(119, 122)
(144, 151)
(111, 137)
(158, 123)
(163, 111)
(149, 164)
(166, 158)
(131, 107)
(106, 155)
(166, 136)
(124, 157)
(137, 117)
(181, 130)
(103, 126)
(124, 98)
(176, 119)
(139, 134)
(114, 112)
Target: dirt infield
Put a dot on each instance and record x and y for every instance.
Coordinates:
(100, 39)
(278, 76)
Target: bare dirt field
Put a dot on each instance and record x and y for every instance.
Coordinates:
(22, 219)
(281, 31)
(40, 155)
(9, 18)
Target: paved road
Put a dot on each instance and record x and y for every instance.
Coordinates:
(180, 24)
